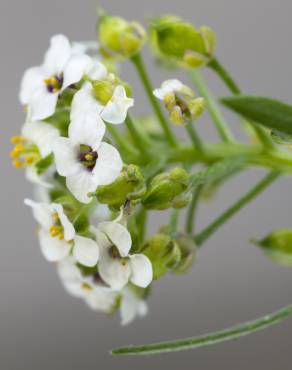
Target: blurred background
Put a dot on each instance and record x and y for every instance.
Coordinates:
(40, 325)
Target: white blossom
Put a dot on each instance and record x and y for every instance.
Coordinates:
(58, 237)
(116, 265)
(41, 86)
(85, 160)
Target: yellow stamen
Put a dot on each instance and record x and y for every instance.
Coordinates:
(86, 286)
(17, 163)
(55, 217)
(14, 154)
(29, 160)
(17, 139)
(89, 157)
(19, 148)
(55, 231)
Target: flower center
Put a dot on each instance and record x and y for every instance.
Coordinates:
(24, 153)
(54, 83)
(115, 254)
(87, 157)
(57, 230)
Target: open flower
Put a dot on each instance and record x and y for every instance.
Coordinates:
(58, 238)
(34, 144)
(104, 96)
(41, 86)
(180, 101)
(97, 295)
(84, 159)
(116, 266)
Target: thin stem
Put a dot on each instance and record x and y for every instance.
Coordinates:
(190, 226)
(120, 140)
(214, 111)
(217, 67)
(138, 63)
(194, 137)
(173, 222)
(138, 139)
(225, 216)
(262, 135)
(209, 339)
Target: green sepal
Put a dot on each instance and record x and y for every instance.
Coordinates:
(43, 164)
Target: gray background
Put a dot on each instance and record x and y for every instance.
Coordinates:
(41, 327)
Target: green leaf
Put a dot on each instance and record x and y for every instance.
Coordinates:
(268, 112)
(208, 339)
(216, 171)
(43, 164)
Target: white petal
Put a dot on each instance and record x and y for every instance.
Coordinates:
(32, 81)
(42, 135)
(85, 251)
(117, 108)
(75, 69)
(43, 104)
(102, 241)
(87, 130)
(108, 164)
(71, 277)
(69, 231)
(53, 249)
(65, 156)
(84, 104)
(131, 306)
(100, 213)
(80, 184)
(141, 270)
(118, 235)
(168, 87)
(97, 71)
(57, 55)
(101, 300)
(42, 213)
(115, 273)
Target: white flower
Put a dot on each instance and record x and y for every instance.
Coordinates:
(117, 105)
(96, 295)
(57, 235)
(168, 87)
(40, 87)
(84, 159)
(116, 266)
(131, 306)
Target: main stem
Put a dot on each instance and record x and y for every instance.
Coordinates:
(212, 338)
(138, 63)
(248, 197)
(214, 111)
(190, 225)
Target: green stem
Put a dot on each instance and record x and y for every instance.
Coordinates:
(194, 137)
(121, 141)
(138, 63)
(217, 67)
(225, 216)
(212, 338)
(190, 226)
(173, 223)
(214, 111)
(139, 141)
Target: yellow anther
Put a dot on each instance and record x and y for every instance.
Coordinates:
(19, 148)
(176, 116)
(14, 154)
(55, 216)
(61, 236)
(55, 231)
(29, 160)
(89, 157)
(86, 286)
(17, 163)
(17, 139)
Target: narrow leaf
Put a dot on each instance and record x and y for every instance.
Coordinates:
(268, 112)
(208, 339)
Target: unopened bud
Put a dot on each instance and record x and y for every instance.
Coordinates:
(129, 185)
(167, 190)
(119, 38)
(188, 250)
(181, 42)
(163, 253)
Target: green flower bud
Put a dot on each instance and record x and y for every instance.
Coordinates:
(129, 185)
(188, 250)
(184, 44)
(167, 190)
(103, 90)
(278, 246)
(163, 253)
(119, 38)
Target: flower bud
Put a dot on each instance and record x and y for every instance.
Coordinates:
(168, 190)
(179, 41)
(163, 253)
(278, 246)
(129, 185)
(119, 38)
(188, 250)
